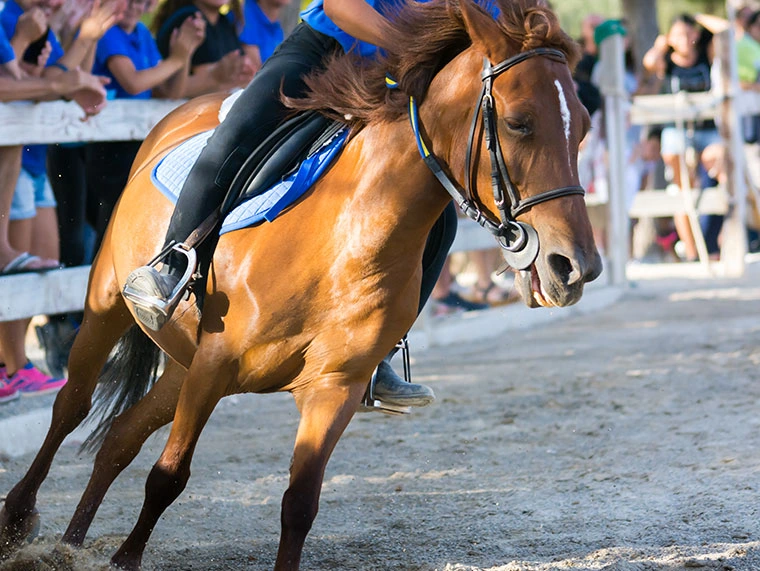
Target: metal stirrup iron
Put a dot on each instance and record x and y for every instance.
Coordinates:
(371, 403)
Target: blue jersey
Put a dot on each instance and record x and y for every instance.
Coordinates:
(260, 31)
(139, 46)
(33, 159)
(6, 50)
(314, 15)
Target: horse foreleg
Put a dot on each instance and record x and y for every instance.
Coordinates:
(325, 413)
(124, 440)
(204, 386)
(97, 335)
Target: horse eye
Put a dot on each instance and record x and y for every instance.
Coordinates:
(518, 127)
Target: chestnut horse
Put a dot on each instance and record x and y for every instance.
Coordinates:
(312, 302)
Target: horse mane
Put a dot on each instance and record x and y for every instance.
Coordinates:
(425, 37)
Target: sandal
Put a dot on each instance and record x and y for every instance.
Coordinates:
(493, 295)
(26, 262)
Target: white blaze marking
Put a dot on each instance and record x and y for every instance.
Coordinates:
(565, 111)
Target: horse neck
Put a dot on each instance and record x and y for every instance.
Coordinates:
(393, 178)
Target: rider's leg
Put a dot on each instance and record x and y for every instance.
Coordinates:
(389, 387)
(255, 114)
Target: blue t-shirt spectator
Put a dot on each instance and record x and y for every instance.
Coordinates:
(139, 46)
(33, 159)
(260, 31)
(6, 50)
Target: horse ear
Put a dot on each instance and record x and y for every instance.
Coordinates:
(484, 32)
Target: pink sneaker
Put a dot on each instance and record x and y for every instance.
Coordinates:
(30, 381)
(7, 392)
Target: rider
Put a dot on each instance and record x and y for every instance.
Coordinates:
(328, 26)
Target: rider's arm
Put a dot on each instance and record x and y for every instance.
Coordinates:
(358, 19)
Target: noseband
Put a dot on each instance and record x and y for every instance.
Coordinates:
(518, 240)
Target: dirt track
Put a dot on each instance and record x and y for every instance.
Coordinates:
(626, 440)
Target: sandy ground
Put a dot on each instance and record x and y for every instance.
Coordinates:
(626, 440)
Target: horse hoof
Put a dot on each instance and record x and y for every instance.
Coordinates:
(14, 533)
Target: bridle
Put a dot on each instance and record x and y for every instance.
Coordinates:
(518, 240)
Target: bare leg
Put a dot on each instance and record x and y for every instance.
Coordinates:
(10, 167)
(443, 285)
(44, 242)
(681, 221)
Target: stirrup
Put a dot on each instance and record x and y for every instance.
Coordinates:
(153, 311)
(371, 403)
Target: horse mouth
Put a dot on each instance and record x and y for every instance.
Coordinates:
(538, 295)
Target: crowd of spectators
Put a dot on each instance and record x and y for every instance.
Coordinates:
(688, 158)
(55, 202)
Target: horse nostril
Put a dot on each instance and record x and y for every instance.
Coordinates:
(566, 270)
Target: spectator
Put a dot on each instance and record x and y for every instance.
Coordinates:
(682, 61)
(219, 63)
(262, 31)
(748, 64)
(30, 225)
(588, 93)
(445, 300)
(17, 373)
(485, 290)
(66, 165)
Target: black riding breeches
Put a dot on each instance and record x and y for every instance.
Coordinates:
(437, 248)
(252, 118)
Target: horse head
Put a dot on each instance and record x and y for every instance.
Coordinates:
(520, 167)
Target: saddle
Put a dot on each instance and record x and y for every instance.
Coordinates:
(293, 144)
(279, 155)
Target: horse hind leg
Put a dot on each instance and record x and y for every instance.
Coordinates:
(105, 320)
(125, 438)
(202, 389)
(325, 414)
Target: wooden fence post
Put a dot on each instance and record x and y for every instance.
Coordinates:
(611, 58)
(734, 233)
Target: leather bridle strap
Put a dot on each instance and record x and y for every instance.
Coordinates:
(499, 171)
(518, 240)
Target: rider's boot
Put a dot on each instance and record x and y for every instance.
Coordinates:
(156, 292)
(391, 389)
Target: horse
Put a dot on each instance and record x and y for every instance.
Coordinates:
(312, 302)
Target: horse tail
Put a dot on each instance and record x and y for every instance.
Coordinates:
(125, 379)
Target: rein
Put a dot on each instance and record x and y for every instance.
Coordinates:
(518, 240)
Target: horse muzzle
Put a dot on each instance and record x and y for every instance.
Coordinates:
(556, 279)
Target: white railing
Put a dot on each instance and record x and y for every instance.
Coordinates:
(26, 123)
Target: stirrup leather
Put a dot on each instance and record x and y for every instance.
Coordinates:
(372, 403)
(163, 309)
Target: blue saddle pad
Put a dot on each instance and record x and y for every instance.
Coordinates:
(169, 175)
